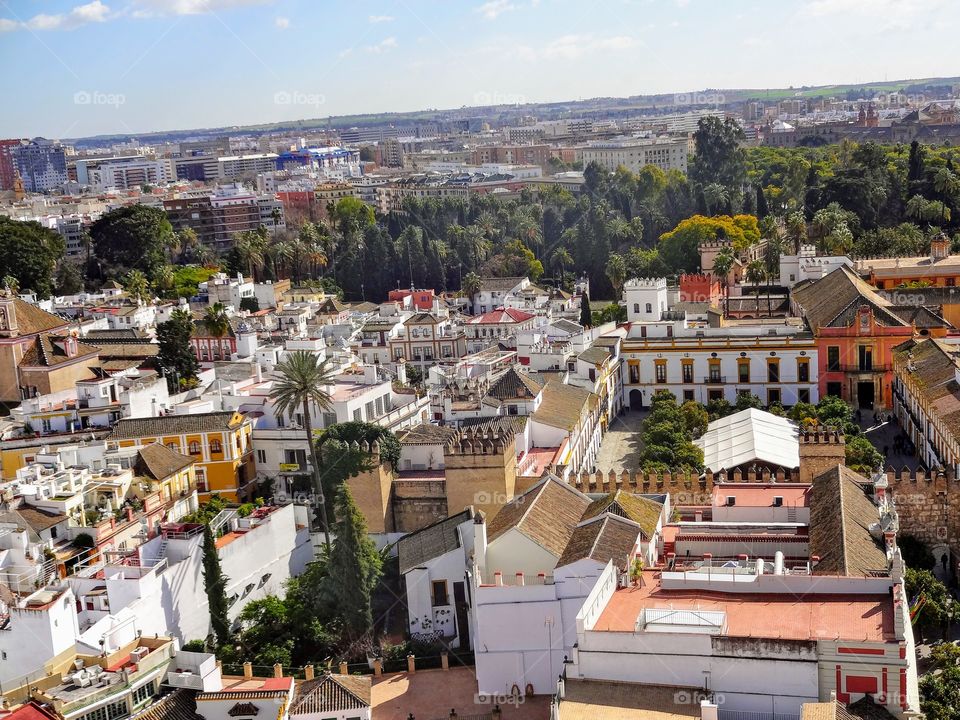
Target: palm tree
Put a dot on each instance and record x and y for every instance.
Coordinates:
(722, 265)
(217, 320)
(948, 186)
(561, 257)
(756, 272)
(716, 197)
(773, 251)
(279, 252)
(300, 384)
(250, 246)
(796, 229)
(471, 285)
(11, 284)
(616, 271)
(135, 283)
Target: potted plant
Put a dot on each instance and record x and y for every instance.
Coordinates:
(636, 571)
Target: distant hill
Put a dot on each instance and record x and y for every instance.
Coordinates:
(603, 107)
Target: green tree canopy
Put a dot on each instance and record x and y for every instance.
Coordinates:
(30, 252)
(134, 237)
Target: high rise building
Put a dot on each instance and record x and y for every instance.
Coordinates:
(7, 167)
(41, 164)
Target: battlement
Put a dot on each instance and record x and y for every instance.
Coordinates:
(645, 284)
(821, 435)
(714, 244)
(481, 441)
(919, 477)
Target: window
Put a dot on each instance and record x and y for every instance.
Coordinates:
(201, 480)
(743, 371)
(194, 447)
(715, 372)
(714, 395)
(773, 396)
(833, 357)
(649, 308)
(688, 373)
(142, 694)
(803, 371)
(46, 425)
(439, 592)
(773, 371)
(634, 373)
(512, 410)
(636, 308)
(661, 372)
(261, 457)
(216, 446)
(593, 375)
(688, 395)
(803, 395)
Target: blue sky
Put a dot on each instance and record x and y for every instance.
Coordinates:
(75, 67)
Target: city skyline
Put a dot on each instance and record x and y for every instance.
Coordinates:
(131, 67)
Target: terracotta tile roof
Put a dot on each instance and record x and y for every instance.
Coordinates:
(603, 538)
(832, 301)
(819, 710)
(426, 434)
(47, 351)
(514, 384)
(330, 306)
(934, 364)
(422, 318)
(605, 700)
(643, 511)
(243, 708)
(562, 405)
(863, 709)
(501, 316)
(159, 462)
(500, 283)
(113, 350)
(31, 711)
(31, 319)
(547, 514)
(177, 705)
(596, 355)
(431, 542)
(37, 520)
(331, 694)
(175, 425)
(841, 515)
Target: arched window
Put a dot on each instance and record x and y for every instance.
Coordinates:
(194, 447)
(215, 446)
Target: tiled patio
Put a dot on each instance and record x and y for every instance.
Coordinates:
(431, 694)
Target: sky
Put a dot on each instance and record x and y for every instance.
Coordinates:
(74, 68)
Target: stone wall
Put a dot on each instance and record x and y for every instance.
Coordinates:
(418, 503)
(928, 507)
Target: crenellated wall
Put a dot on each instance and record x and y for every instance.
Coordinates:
(928, 506)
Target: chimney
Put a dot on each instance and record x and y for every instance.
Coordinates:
(480, 542)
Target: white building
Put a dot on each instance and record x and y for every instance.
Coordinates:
(809, 266)
(635, 153)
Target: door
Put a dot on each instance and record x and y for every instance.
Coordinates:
(865, 394)
(463, 619)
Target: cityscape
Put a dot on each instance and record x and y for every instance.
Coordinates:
(458, 361)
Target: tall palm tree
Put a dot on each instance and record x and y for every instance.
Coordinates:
(947, 184)
(561, 257)
(756, 273)
(616, 272)
(722, 265)
(217, 320)
(300, 383)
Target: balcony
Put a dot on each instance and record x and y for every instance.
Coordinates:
(715, 380)
(860, 368)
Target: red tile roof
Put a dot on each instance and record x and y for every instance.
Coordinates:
(500, 316)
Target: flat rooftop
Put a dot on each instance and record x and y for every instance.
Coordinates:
(781, 616)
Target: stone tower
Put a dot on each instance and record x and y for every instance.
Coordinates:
(481, 468)
(372, 490)
(821, 448)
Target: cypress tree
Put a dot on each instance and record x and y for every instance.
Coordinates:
(215, 584)
(762, 209)
(586, 319)
(354, 567)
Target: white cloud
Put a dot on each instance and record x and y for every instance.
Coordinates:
(494, 8)
(152, 8)
(900, 14)
(383, 46)
(569, 47)
(282, 23)
(345, 53)
(92, 12)
(375, 19)
(7, 25)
